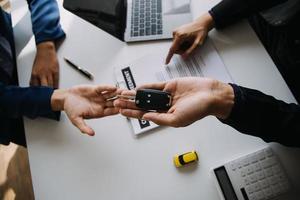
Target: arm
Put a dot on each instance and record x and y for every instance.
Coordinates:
(230, 11)
(31, 102)
(47, 30)
(45, 20)
(264, 116)
(189, 36)
(247, 110)
(79, 103)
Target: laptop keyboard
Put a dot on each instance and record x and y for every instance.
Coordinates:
(146, 18)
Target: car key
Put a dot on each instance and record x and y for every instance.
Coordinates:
(149, 99)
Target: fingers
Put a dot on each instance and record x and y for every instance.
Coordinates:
(105, 88)
(192, 48)
(44, 81)
(81, 125)
(138, 114)
(164, 119)
(157, 86)
(34, 81)
(173, 49)
(125, 104)
(50, 81)
(109, 95)
(55, 80)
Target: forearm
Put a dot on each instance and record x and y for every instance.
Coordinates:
(32, 102)
(45, 20)
(264, 116)
(230, 11)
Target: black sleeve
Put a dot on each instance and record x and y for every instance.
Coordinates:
(230, 11)
(258, 114)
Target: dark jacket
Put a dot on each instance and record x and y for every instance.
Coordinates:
(32, 102)
(256, 113)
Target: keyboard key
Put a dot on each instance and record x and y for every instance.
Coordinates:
(257, 187)
(268, 192)
(243, 172)
(247, 181)
(249, 189)
(269, 152)
(148, 31)
(268, 172)
(260, 175)
(253, 178)
(261, 155)
(260, 195)
(250, 169)
(252, 197)
(142, 32)
(246, 161)
(272, 180)
(265, 164)
(264, 184)
(257, 167)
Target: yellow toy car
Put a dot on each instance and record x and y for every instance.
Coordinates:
(186, 158)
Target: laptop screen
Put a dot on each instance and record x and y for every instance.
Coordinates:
(108, 15)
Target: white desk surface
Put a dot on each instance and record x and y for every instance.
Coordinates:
(116, 165)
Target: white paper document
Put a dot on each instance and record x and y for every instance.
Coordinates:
(204, 62)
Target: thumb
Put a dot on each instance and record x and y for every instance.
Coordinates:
(82, 126)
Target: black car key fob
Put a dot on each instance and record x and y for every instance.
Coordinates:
(149, 99)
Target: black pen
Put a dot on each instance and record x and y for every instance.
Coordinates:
(81, 70)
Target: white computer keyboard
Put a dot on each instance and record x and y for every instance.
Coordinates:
(256, 176)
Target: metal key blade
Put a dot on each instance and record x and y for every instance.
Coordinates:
(132, 98)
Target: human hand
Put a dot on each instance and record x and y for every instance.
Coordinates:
(85, 102)
(45, 70)
(187, 37)
(192, 100)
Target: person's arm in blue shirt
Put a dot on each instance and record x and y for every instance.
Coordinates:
(45, 20)
(32, 102)
(47, 31)
(79, 103)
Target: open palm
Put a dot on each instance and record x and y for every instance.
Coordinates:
(86, 102)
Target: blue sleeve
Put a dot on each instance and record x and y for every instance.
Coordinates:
(45, 20)
(32, 102)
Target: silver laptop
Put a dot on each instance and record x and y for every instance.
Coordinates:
(155, 19)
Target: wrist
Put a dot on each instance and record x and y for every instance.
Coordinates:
(223, 100)
(48, 45)
(206, 20)
(58, 99)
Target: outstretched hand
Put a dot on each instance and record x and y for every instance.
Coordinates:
(193, 99)
(85, 102)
